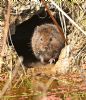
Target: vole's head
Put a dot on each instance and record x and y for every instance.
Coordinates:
(45, 42)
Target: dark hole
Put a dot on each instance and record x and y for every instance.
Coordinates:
(50, 39)
(22, 37)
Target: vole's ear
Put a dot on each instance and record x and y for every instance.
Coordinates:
(36, 29)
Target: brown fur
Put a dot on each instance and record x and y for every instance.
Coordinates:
(46, 42)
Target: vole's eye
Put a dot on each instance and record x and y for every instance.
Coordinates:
(50, 39)
(41, 39)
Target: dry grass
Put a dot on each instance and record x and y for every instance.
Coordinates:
(42, 82)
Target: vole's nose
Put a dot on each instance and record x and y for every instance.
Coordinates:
(44, 48)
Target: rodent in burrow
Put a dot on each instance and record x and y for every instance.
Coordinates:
(47, 43)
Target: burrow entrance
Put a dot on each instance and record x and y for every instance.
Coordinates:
(22, 37)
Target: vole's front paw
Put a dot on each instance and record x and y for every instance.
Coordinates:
(52, 60)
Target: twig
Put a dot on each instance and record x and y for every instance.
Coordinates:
(55, 22)
(63, 23)
(7, 84)
(19, 58)
(67, 17)
(6, 28)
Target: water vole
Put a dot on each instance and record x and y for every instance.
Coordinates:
(47, 43)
